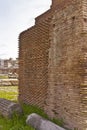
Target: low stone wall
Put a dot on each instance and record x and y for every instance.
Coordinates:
(8, 82)
(8, 108)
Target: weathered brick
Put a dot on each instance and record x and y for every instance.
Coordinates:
(53, 62)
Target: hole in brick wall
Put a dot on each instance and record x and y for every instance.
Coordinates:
(73, 18)
(54, 111)
(85, 19)
(67, 95)
(45, 102)
(54, 25)
(56, 84)
(66, 109)
(84, 49)
(76, 113)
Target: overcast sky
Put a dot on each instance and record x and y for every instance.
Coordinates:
(15, 17)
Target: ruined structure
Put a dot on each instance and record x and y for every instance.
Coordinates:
(53, 63)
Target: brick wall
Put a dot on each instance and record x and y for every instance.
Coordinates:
(52, 61)
(66, 96)
(34, 62)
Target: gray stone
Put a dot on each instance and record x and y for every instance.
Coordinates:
(40, 123)
(8, 108)
(8, 82)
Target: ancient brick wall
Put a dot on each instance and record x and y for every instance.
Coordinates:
(34, 62)
(52, 61)
(66, 67)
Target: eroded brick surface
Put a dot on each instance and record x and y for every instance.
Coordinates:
(53, 63)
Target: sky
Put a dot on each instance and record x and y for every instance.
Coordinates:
(15, 17)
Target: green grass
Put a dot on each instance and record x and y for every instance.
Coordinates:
(19, 122)
(16, 123)
(3, 77)
(34, 109)
(9, 92)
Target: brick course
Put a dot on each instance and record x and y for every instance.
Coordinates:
(52, 60)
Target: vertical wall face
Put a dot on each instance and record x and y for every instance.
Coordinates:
(33, 79)
(57, 2)
(65, 66)
(53, 63)
(54, 3)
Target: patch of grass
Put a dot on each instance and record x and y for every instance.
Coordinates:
(58, 122)
(29, 109)
(9, 92)
(16, 123)
(34, 109)
(8, 95)
(3, 77)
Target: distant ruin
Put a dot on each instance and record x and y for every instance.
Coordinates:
(53, 63)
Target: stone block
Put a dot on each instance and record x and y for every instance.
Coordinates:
(40, 123)
(8, 108)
